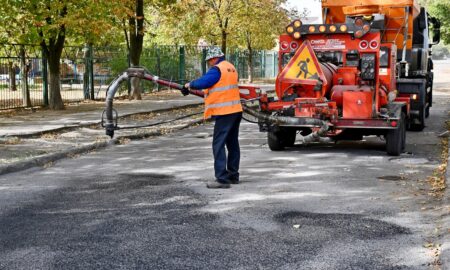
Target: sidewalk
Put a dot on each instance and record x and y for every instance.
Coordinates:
(29, 139)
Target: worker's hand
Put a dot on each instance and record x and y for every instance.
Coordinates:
(187, 85)
(185, 91)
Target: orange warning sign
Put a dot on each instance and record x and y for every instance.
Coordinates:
(303, 66)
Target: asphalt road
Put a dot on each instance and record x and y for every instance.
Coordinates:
(144, 205)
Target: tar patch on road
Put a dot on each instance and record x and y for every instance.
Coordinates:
(342, 225)
(130, 181)
(392, 178)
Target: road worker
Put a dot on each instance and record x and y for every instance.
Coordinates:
(223, 105)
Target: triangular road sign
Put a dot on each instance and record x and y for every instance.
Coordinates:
(303, 67)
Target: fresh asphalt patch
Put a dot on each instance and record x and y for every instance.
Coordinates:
(335, 225)
(147, 221)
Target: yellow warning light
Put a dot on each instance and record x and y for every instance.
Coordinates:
(322, 28)
(368, 17)
(290, 29)
(366, 28)
(333, 28)
(312, 29)
(297, 35)
(297, 23)
(343, 28)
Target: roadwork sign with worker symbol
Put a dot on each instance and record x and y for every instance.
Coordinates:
(303, 66)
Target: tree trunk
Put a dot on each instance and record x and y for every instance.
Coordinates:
(52, 48)
(26, 102)
(55, 100)
(136, 43)
(224, 41)
(250, 66)
(12, 76)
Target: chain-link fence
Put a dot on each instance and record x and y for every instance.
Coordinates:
(86, 71)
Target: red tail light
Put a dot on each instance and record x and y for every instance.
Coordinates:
(374, 44)
(364, 44)
(294, 45)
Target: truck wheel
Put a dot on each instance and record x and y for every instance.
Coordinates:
(395, 138)
(274, 140)
(421, 118)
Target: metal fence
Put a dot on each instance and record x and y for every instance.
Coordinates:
(86, 72)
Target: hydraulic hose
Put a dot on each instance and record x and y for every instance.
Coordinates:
(318, 135)
(110, 93)
(142, 73)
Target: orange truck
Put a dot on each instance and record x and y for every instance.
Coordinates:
(365, 71)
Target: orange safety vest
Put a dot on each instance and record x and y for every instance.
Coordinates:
(223, 97)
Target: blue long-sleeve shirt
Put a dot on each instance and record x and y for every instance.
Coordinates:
(209, 79)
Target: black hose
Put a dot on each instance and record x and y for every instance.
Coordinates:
(159, 123)
(285, 120)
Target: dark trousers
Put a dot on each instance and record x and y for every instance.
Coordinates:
(226, 133)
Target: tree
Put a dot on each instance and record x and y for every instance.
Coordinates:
(50, 22)
(441, 10)
(13, 31)
(213, 20)
(260, 23)
(135, 31)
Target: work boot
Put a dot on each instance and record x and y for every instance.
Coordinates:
(216, 184)
(234, 181)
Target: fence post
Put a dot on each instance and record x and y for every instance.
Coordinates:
(128, 65)
(91, 71)
(86, 71)
(204, 61)
(182, 66)
(158, 65)
(45, 78)
(263, 64)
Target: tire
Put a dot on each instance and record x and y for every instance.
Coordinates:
(421, 125)
(395, 138)
(274, 141)
(278, 140)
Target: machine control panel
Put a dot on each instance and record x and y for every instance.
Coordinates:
(368, 66)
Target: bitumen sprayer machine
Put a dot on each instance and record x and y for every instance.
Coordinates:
(366, 70)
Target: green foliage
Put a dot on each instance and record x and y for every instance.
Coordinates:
(259, 23)
(31, 21)
(441, 10)
(188, 21)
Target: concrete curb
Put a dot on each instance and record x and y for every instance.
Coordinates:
(45, 159)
